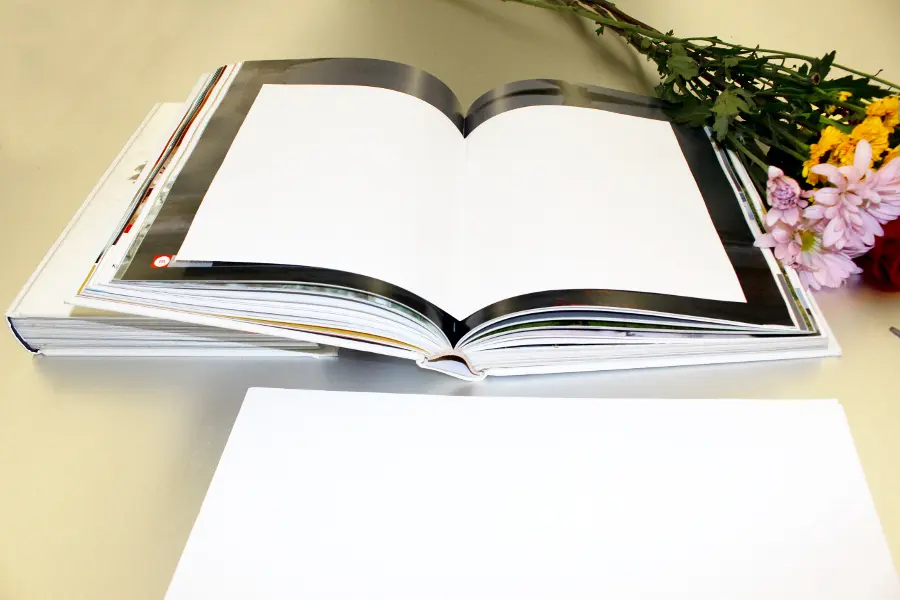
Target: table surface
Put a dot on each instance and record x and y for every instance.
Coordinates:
(104, 463)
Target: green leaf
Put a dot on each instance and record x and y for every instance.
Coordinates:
(600, 28)
(841, 83)
(645, 43)
(826, 62)
(677, 50)
(731, 61)
(683, 66)
(731, 102)
(858, 86)
(667, 92)
(720, 126)
(804, 69)
(743, 93)
(691, 112)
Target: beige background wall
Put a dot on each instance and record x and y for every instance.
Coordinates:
(102, 468)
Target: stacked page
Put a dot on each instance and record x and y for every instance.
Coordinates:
(550, 227)
(44, 321)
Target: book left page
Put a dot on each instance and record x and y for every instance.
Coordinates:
(349, 178)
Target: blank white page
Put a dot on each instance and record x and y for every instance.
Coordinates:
(380, 183)
(351, 178)
(328, 495)
(564, 197)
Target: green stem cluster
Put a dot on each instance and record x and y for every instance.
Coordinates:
(766, 109)
(621, 26)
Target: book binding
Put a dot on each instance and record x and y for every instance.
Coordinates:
(453, 363)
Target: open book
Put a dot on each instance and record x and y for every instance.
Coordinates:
(550, 227)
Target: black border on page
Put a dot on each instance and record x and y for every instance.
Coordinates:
(765, 304)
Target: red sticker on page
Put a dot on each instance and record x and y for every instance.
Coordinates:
(162, 261)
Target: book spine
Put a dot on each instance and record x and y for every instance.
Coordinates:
(12, 327)
(453, 363)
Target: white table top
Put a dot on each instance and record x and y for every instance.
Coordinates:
(104, 463)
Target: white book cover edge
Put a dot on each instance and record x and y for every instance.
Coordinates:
(76, 218)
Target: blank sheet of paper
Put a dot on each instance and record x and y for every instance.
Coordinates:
(342, 177)
(577, 198)
(405, 497)
(382, 184)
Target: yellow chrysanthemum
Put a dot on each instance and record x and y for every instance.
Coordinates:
(830, 138)
(875, 132)
(812, 178)
(844, 154)
(891, 155)
(886, 108)
(842, 96)
(840, 148)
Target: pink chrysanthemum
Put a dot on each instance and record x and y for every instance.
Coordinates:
(785, 198)
(803, 249)
(851, 213)
(883, 199)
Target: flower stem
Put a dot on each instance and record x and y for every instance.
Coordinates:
(830, 98)
(614, 11)
(867, 76)
(800, 144)
(772, 143)
(628, 24)
(842, 126)
(746, 152)
(833, 99)
(612, 23)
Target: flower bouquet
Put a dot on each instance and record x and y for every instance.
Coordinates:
(819, 139)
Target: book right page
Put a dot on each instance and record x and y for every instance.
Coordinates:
(565, 198)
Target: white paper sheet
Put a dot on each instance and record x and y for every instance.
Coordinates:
(346, 495)
(377, 182)
(576, 198)
(350, 178)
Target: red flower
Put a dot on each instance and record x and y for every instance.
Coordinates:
(881, 264)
